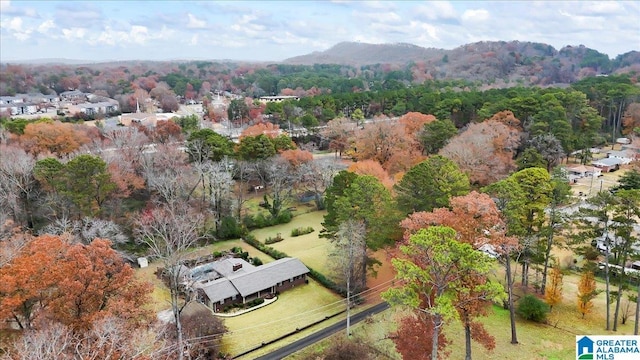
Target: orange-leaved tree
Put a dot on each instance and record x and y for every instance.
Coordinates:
(387, 143)
(73, 284)
(474, 217)
(410, 337)
(53, 137)
(586, 292)
(297, 157)
(413, 122)
(266, 128)
(553, 293)
(373, 168)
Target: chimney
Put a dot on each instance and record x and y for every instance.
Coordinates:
(237, 267)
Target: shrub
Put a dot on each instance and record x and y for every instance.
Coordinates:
(261, 220)
(284, 217)
(216, 254)
(229, 228)
(255, 302)
(273, 240)
(532, 308)
(301, 231)
(256, 261)
(236, 250)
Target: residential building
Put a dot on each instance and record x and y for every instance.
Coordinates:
(279, 98)
(607, 164)
(234, 281)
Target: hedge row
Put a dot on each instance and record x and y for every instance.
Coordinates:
(251, 240)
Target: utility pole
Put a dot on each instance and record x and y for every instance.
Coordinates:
(349, 270)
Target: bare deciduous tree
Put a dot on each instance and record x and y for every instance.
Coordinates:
(17, 184)
(348, 259)
(169, 231)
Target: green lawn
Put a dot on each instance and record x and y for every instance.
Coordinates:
(294, 308)
(310, 248)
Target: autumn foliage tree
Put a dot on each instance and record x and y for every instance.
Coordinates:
(553, 295)
(485, 151)
(409, 338)
(373, 168)
(473, 217)
(53, 138)
(297, 157)
(71, 284)
(388, 144)
(413, 122)
(586, 293)
(436, 273)
(264, 128)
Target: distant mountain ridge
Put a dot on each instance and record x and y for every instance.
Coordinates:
(529, 62)
(356, 53)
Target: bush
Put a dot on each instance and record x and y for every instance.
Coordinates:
(301, 231)
(236, 250)
(256, 261)
(284, 217)
(532, 308)
(261, 220)
(255, 302)
(273, 240)
(229, 228)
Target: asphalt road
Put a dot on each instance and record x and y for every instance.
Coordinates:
(317, 336)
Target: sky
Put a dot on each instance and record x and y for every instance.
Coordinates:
(276, 30)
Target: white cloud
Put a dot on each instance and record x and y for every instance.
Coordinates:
(247, 25)
(475, 15)
(14, 26)
(139, 34)
(194, 40)
(195, 23)
(46, 26)
(5, 5)
(136, 34)
(437, 10)
(74, 33)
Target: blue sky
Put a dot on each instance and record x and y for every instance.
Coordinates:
(276, 30)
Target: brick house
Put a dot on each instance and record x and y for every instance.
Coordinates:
(235, 281)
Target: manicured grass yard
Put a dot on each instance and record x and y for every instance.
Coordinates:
(294, 308)
(310, 248)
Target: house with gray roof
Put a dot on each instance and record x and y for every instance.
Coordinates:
(234, 281)
(607, 164)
